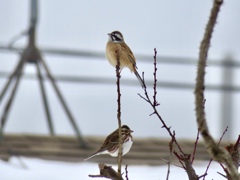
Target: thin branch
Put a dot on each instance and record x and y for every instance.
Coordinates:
(233, 150)
(154, 104)
(126, 172)
(204, 175)
(222, 175)
(167, 161)
(155, 79)
(119, 114)
(195, 147)
(143, 98)
(224, 132)
(168, 171)
(219, 154)
(179, 159)
(186, 164)
(169, 164)
(237, 144)
(227, 176)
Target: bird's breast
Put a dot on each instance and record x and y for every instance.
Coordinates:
(114, 51)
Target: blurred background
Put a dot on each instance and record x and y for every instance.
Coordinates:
(72, 36)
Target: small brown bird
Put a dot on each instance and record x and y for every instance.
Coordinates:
(117, 48)
(111, 143)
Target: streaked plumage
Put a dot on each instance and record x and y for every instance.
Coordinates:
(111, 143)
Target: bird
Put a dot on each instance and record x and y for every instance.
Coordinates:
(117, 48)
(111, 143)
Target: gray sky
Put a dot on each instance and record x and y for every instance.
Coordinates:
(175, 28)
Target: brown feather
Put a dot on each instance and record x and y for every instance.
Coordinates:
(111, 143)
(120, 51)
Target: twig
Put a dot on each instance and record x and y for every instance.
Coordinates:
(154, 104)
(222, 175)
(119, 114)
(204, 175)
(170, 157)
(195, 147)
(224, 132)
(179, 159)
(168, 171)
(219, 154)
(187, 165)
(167, 161)
(126, 172)
(233, 150)
(227, 176)
(237, 144)
(169, 165)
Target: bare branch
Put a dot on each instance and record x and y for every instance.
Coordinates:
(224, 132)
(222, 175)
(189, 168)
(126, 171)
(195, 147)
(119, 114)
(167, 162)
(107, 172)
(233, 150)
(154, 105)
(143, 98)
(219, 154)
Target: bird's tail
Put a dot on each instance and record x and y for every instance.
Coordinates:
(140, 80)
(95, 154)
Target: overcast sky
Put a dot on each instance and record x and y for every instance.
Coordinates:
(175, 28)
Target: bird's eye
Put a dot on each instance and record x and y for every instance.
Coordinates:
(117, 37)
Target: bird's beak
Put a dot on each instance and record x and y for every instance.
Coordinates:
(131, 131)
(109, 34)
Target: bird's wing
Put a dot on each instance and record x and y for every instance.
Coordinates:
(110, 141)
(129, 54)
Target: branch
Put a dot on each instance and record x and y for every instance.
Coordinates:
(219, 154)
(195, 147)
(107, 172)
(224, 132)
(119, 114)
(233, 150)
(126, 171)
(154, 104)
(169, 162)
(155, 79)
(187, 165)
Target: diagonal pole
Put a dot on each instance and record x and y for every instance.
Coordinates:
(13, 93)
(5, 88)
(44, 97)
(65, 107)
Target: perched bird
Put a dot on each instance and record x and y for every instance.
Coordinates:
(117, 48)
(111, 143)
